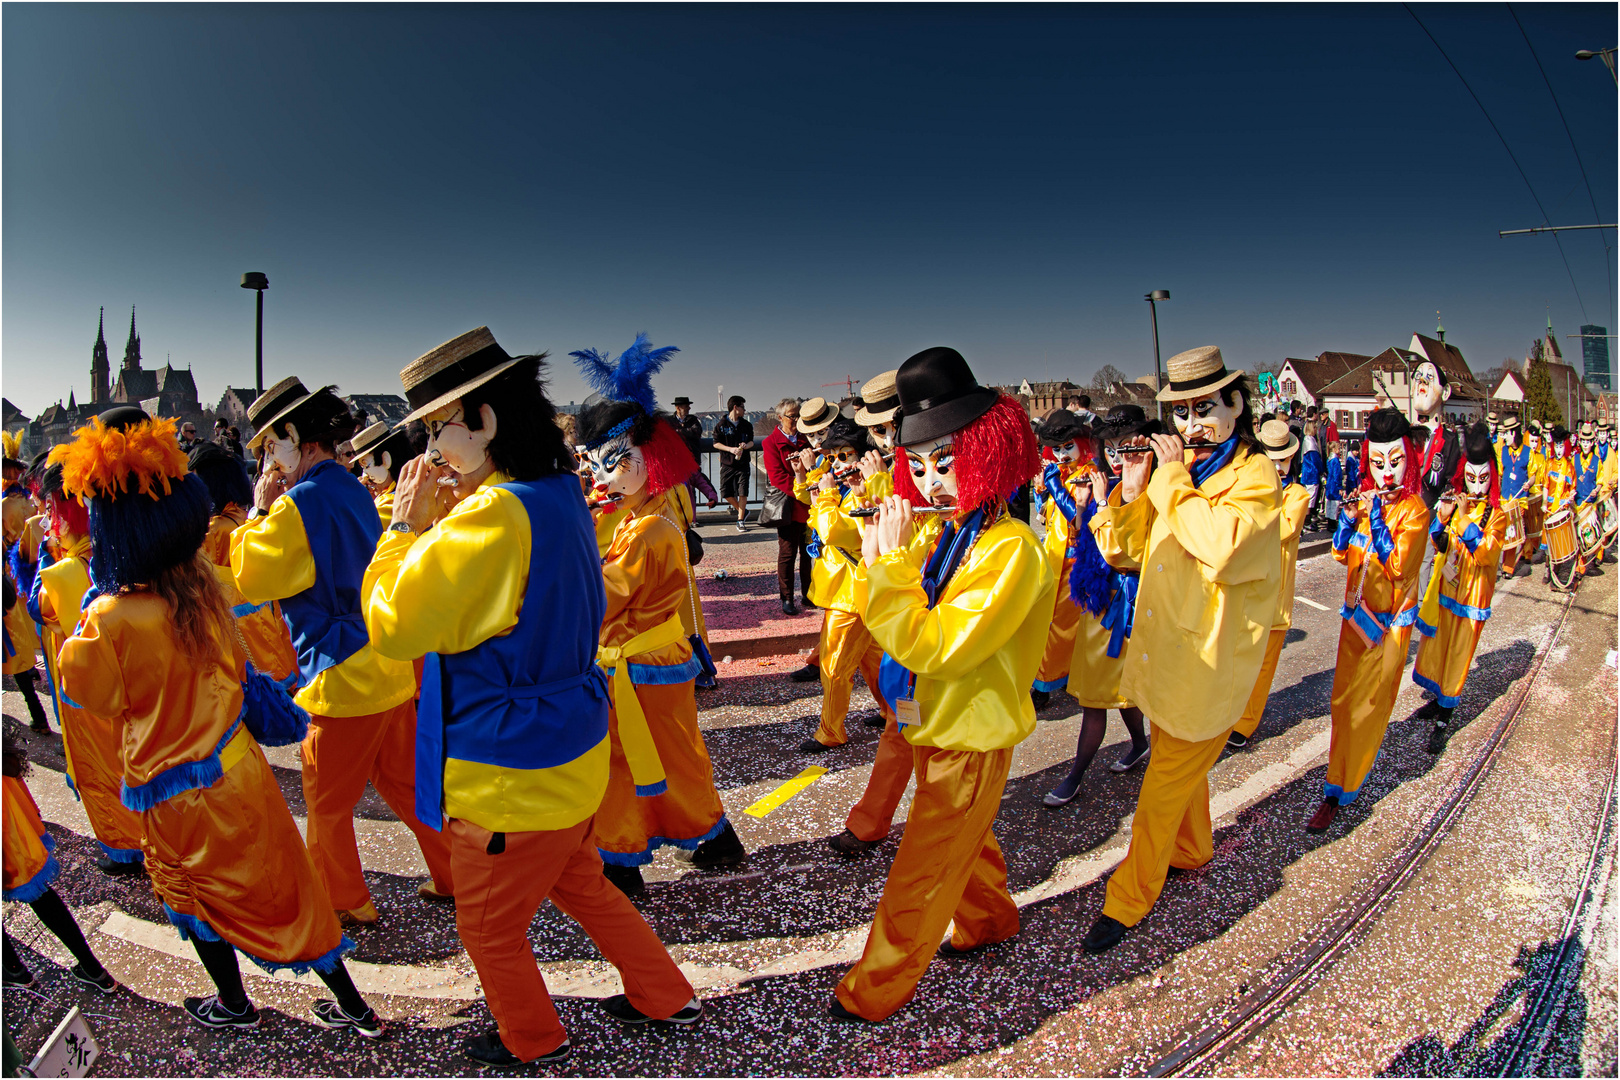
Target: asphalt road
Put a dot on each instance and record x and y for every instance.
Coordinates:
(1433, 988)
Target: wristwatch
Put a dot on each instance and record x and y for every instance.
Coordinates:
(401, 527)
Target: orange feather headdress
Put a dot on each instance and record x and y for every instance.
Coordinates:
(109, 462)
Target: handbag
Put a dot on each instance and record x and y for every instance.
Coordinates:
(269, 712)
(694, 547)
(775, 511)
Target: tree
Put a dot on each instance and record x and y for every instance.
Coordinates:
(1538, 394)
(1107, 376)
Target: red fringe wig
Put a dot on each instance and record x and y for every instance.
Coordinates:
(1460, 486)
(995, 455)
(1411, 483)
(669, 462)
(904, 485)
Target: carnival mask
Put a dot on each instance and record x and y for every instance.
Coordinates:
(882, 434)
(451, 442)
(281, 454)
(933, 469)
(618, 467)
(1386, 464)
(1586, 446)
(1428, 392)
(1206, 422)
(375, 469)
(1477, 479)
(814, 438)
(1065, 453)
(1560, 449)
(1535, 443)
(1117, 451)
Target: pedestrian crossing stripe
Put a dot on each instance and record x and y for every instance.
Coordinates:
(775, 799)
(1313, 603)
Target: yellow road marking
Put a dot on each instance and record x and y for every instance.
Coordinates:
(775, 799)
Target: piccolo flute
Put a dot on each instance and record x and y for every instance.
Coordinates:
(871, 511)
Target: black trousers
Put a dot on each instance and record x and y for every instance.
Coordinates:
(791, 540)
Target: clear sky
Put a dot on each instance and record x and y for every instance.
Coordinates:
(789, 194)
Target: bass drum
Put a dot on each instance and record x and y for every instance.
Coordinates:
(1563, 560)
(1608, 519)
(1591, 534)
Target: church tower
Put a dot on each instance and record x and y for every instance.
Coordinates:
(132, 349)
(100, 367)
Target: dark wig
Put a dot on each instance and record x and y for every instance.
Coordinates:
(845, 432)
(323, 420)
(528, 444)
(222, 472)
(137, 538)
(669, 462)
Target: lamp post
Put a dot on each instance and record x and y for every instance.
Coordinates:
(258, 283)
(1606, 55)
(1153, 299)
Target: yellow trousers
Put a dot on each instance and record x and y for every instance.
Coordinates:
(873, 816)
(846, 646)
(949, 867)
(1055, 661)
(1366, 683)
(1171, 826)
(1443, 660)
(1256, 708)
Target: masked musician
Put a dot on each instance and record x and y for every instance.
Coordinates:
(1211, 569)
(313, 532)
(660, 787)
(1380, 538)
(1468, 530)
(1441, 452)
(1587, 465)
(1493, 424)
(1560, 484)
(1514, 458)
(963, 618)
(1535, 510)
(21, 632)
(381, 455)
(1102, 584)
(1066, 446)
(1282, 447)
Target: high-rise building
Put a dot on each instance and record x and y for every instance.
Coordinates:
(1595, 354)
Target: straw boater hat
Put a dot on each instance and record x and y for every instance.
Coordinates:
(275, 405)
(1588, 431)
(1510, 422)
(435, 379)
(1491, 416)
(1278, 439)
(881, 400)
(373, 437)
(1195, 373)
(816, 414)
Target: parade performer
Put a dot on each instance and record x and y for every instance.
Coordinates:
(1587, 465)
(1380, 539)
(504, 598)
(1560, 482)
(30, 866)
(313, 532)
(1282, 447)
(845, 644)
(1102, 584)
(1468, 530)
(230, 492)
(1067, 450)
(1333, 488)
(381, 454)
(964, 619)
(92, 745)
(660, 784)
(21, 632)
(1535, 513)
(1513, 456)
(1430, 392)
(155, 655)
(1210, 575)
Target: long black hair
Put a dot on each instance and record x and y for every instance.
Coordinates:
(528, 444)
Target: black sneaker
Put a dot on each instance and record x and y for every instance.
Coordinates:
(211, 1012)
(788, 608)
(725, 849)
(330, 1014)
(489, 1050)
(627, 878)
(1104, 935)
(1438, 735)
(1040, 698)
(814, 746)
(1236, 740)
(808, 673)
(21, 979)
(102, 981)
(114, 868)
(618, 1006)
(847, 843)
(874, 720)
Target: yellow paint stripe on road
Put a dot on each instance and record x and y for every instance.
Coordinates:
(775, 799)
(1313, 603)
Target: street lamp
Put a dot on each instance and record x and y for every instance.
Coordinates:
(1606, 55)
(1153, 299)
(258, 283)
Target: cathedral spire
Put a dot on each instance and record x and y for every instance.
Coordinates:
(100, 366)
(132, 349)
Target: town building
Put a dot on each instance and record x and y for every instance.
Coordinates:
(1302, 380)
(1385, 380)
(372, 408)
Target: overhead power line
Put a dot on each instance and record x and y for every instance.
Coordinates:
(1545, 217)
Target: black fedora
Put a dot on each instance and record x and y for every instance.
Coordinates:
(938, 395)
(1060, 426)
(682, 400)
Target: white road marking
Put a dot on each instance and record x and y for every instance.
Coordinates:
(1312, 603)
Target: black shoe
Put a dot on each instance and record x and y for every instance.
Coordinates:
(211, 1012)
(21, 978)
(788, 608)
(102, 981)
(330, 1014)
(847, 843)
(837, 1011)
(1438, 735)
(875, 720)
(1131, 759)
(1430, 710)
(951, 952)
(726, 849)
(117, 869)
(808, 673)
(1104, 934)
(1040, 698)
(618, 1006)
(1237, 740)
(815, 746)
(627, 878)
(1323, 817)
(489, 1050)
(804, 602)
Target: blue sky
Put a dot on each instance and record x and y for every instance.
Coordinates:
(789, 194)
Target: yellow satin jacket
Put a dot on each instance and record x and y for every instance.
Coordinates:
(1388, 586)
(1296, 503)
(1559, 485)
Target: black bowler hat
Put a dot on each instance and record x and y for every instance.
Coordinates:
(938, 395)
(120, 417)
(1060, 426)
(1387, 425)
(683, 400)
(1478, 446)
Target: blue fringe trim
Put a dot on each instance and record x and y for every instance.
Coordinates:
(642, 858)
(242, 611)
(1426, 630)
(663, 675)
(1464, 611)
(1434, 688)
(122, 855)
(38, 885)
(189, 926)
(1055, 684)
(649, 790)
(177, 779)
(1334, 791)
(1090, 576)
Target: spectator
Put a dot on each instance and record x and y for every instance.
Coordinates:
(691, 429)
(221, 427)
(734, 441)
(188, 436)
(233, 441)
(1080, 405)
(791, 541)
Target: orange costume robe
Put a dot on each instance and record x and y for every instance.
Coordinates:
(29, 865)
(1296, 504)
(217, 544)
(1468, 571)
(263, 631)
(1060, 553)
(20, 629)
(222, 850)
(645, 572)
(1383, 552)
(93, 745)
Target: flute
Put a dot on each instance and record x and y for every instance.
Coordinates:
(871, 511)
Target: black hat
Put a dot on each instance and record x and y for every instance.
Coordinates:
(1387, 425)
(938, 395)
(1126, 421)
(682, 400)
(1060, 426)
(1478, 444)
(120, 417)
(845, 432)
(1560, 433)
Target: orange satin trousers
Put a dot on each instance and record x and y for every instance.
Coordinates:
(949, 868)
(340, 754)
(891, 772)
(846, 646)
(1256, 708)
(497, 897)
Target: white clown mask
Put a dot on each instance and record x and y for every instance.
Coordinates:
(1560, 448)
(1117, 451)
(882, 435)
(1428, 392)
(1535, 442)
(1586, 446)
(282, 454)
(618, 467)
(1386, 464)
(1477, 479)
(1206, 422)
(1066, 453)
(451, 442)
(375, 470)
(933, 469)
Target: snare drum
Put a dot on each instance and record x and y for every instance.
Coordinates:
(1608, 519)
(1590, 532)
(1561, 553)
(1513, 537)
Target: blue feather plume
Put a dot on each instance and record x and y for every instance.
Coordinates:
(629, 378)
